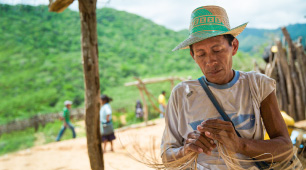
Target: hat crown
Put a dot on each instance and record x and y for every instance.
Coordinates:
(208, 19)
(207, 22)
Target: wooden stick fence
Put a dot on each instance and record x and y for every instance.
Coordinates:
(39, 120)
(288, 68)
(141, 85)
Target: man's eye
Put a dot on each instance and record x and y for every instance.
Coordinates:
(217, 51)
(202, 55)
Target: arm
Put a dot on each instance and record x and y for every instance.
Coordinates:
(107, 118)
(65, 114)
(274, 123)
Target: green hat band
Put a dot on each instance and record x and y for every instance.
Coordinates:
(204, 20)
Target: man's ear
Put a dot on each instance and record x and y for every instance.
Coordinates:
(235, 45)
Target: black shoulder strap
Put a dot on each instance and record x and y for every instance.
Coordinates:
(215, 102)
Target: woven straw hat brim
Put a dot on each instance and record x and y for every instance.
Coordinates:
(197, 37)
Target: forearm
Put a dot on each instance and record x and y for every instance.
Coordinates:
(107, 118)
(274, 147)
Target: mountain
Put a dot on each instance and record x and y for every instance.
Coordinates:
(252, 39)
(41, 64)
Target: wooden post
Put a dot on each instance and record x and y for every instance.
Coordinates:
(294, 76)
(172, 84)
(145, 116)
(287, 74)
(282, 87)
(92, 84)
(301, 70)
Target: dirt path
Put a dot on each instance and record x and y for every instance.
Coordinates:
(72, 154)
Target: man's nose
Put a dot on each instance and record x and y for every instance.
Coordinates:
(211, 60)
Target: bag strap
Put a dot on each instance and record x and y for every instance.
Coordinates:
(215, 103)
(262, 164)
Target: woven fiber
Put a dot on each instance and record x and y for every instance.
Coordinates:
(206, 22)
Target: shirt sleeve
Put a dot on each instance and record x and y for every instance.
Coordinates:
(266, 86)
(172, 141)
(261, 86)
(108, 110)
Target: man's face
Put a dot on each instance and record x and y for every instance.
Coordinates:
(214, 57)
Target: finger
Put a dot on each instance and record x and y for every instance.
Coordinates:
(209, 143)
(218, 121)
(211, 133)
(211, 130)
(193, 135)
(193, 147)
(202, 144)
(225, 125)
(219, 138)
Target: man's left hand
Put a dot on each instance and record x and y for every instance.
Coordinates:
(223, 132)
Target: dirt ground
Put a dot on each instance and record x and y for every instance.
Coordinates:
(72, 154)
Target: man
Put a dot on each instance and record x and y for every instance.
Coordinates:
(162, 103)
(193, 123)
(66, 120)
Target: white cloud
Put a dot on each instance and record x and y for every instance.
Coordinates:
(175, 14)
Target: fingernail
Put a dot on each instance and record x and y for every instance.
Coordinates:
(200, 150)
(212, 142)
(208, 153)
(207, 133)
(200, 127)
(211, 148)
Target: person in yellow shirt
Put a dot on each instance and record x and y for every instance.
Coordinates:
(162, 103)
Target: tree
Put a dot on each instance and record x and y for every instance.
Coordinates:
(89, 48)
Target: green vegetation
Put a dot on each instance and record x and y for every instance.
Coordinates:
(28, 138)
(16, 141)
(41, 64)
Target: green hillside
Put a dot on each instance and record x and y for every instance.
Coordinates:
(41, 64)
(252, 39)
(40, 61)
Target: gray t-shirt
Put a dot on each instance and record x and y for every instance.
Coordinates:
(189, 105)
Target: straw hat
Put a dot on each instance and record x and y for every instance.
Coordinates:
(67, 102)
(206, 22)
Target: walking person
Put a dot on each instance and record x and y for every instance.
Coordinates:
(66, 120)
(106, 124)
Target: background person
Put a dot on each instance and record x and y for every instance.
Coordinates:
(106, 126)
(138, 109)
(162, 103)
(66, 120)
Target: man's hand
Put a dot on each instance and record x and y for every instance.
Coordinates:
(198, 142)
(223, 132)
(65, 124)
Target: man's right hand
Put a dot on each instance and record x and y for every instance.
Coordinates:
(197, 142)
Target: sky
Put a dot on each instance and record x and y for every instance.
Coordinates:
(175, 14)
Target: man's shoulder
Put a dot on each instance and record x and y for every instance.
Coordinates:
(65, 110)
(254, 75)
(183, 84)
(186, 87)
